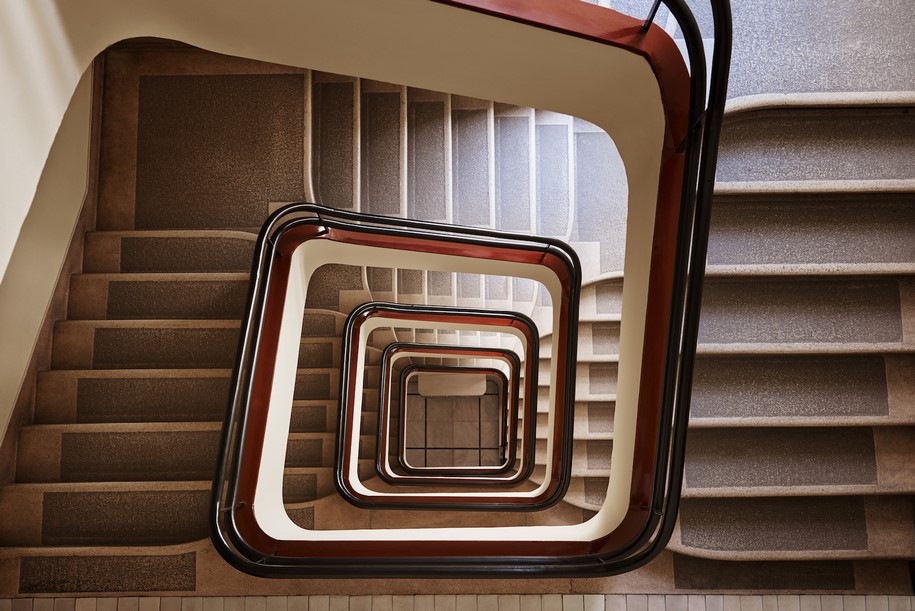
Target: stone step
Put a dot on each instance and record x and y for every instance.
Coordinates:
(781, 528)
(86, 514)
(590, 458)
(601, 299)
(597, 341)
(593, 382)
(127, 513)
(587, 493)
(157, 296)
(821, 232)
(600, 202)
(830, 311)
(170, 395)
(791, 389)
(705, 574)
(381, 142)
(428, 149)
(333, 512)
(554, 143)
(152, 344)
(141, 452)
(335, 140)
(792, 144)
(593, 420)
(472, 142)
(165, 344)
(515, 169)
(798, 461)
(117, 569)
(205, 251)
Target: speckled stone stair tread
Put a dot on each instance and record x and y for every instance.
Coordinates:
(141, 452)
(797, 461)
(135, 513)
(796, 389)
(818, 144)
(158, 296)
(786, 310)
(144, 344)
(159, 395)
(778, 528)
(598, 341)
(168, 251)
(593, 382)
(821, 233)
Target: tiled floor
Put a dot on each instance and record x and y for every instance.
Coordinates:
(453, 431)
(471, 602)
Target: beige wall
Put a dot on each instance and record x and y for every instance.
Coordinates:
(41, 248)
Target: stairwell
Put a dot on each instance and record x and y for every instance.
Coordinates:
(798, 473)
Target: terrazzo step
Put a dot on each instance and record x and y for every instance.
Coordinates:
(554, 148)
(798, 461)
(428, 148)
(321, 323)
(141, 452)
(303, 484)
(168, 395)
(590, 457)
(515, 169)
(111, 252)
(86, 514)
(165, 344)
(821, 311)
(115, 569)
(825, 233)
(157, 296)
(142, 344)
(336, 288)
(335, 513)
(810, 143)
(128, 513)
(593, 420)
(803, 390)
(706, 574)
(335, 140)
(601, 299)
(381, 142)
(473, 198)
(780, 528)
(593, 382)
(140, 395)
(597, 341)
(586, 492)
(118, 452)
(600, 204)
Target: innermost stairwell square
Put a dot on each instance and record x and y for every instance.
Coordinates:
(453, 431)
(461, 410)
(454, 409)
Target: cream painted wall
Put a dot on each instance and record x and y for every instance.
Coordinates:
(41, 249)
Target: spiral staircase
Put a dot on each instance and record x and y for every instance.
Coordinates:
(798, 474)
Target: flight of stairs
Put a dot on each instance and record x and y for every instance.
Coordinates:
(798, 472)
